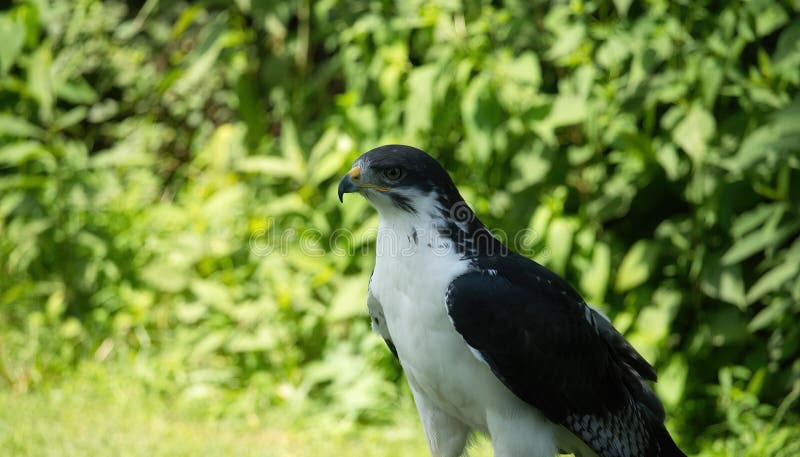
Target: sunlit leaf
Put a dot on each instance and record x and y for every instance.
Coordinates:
(774, 279)
(40, 81)
(637, 265)
(19, 127)
(16, 154)
(672, 381)
(694, 132)
(756, 217)
(780, 135)
(481, 115)
(622, 6)
(758, 241)
(559, 242)
(350, 299)
(270, 166)
(165, 277)
(568, 39)
(12, 35)
(772, 313)
(419, 104)
(595, 280)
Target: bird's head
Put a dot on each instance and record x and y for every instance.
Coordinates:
(407, 185)
(400, 178)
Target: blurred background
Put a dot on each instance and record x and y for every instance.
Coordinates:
(174, 278)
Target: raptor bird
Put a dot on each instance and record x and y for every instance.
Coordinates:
(490, 340)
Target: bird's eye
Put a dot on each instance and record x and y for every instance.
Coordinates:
(393, 173)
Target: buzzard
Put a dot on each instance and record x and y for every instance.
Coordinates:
(490, 340)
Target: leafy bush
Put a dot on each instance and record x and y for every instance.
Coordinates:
(167, 176)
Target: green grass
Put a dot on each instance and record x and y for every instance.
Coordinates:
(99, 413)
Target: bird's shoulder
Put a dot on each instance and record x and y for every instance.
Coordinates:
(538, 336)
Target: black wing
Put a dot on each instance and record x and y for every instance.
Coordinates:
(554, 352)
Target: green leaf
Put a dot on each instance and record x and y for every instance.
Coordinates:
(787, 272)
(270, 166)
(770, 18)
(622, 6)
(779, 136)
(615, 50)
(786, 58)
(290, 146)
(212, 293)
(226, 203)
(70, 118)
(202, 60)
(672, 381)
(419, 104)
(532, 166)
(567, 110)
(481, 114)
(637, 265)
(328, 156)
(568, 39)
(654, 321)
(723, 282)
(350, 299)
(191, 313)
(207, 344)
(165, 277)
(756, 217)
(225, 148)
(9, 202)
(523, 69)
(12, 37)
(559, 242)
(17, 154)
(711, 79)
(670, 161)
(40, 81)
(595, 280)
(103, 111)
(18, 127)
(77, 91)
(769, 315)
(694, 132)
(759, 241)
(261, 340)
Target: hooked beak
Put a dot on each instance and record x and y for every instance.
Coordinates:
(347, 185)
(351, 182)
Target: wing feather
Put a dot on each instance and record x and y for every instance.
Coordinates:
(558, 354)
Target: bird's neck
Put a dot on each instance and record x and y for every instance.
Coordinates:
(440, 223)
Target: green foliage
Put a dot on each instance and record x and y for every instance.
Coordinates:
(167, 176)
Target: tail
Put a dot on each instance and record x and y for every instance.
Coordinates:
(651, 412)
(666, 445)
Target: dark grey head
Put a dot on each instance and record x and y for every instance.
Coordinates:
(404, 183)
(398, 176)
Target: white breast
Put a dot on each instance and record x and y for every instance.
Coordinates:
(410, 282)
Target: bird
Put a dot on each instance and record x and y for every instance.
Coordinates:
(490, 340)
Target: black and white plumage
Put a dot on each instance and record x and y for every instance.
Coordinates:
(490, 340)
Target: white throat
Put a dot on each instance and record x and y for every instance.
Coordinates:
(403, 233)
